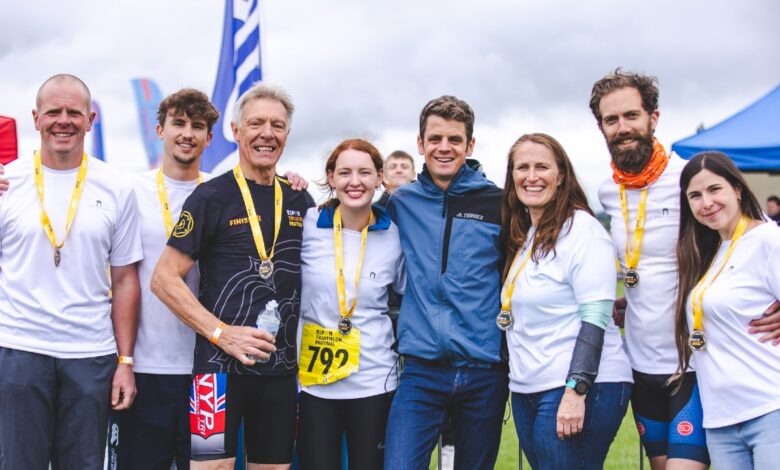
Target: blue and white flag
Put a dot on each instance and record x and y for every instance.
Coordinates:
(239, 68)
(97, 133)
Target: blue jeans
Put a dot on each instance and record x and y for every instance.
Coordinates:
(535, 422)
(750, 444)
(475, 399)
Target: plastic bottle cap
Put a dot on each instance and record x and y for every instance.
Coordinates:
(271, 304)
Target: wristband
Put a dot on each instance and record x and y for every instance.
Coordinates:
(217, 333)
(126, 360)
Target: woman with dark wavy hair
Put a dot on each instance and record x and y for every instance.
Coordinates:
(729, 269)
(569, 375)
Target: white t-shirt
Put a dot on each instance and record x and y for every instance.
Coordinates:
(164, 344)
(545, 301)
(739, 376)
(382, 269)
(649, 325)
(63, 311)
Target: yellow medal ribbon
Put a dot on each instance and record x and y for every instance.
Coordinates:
(504, 319)
(697, 294)
(509, 287)
(162, 194)
(266, 265)
(329, 355)
(338, 250)
(73, 206)
(632, 254)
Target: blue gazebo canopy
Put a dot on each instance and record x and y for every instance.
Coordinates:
(750, 137)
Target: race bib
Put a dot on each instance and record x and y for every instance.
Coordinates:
(327, 355)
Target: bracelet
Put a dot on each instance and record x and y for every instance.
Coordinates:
(126, 360)
(217, 333)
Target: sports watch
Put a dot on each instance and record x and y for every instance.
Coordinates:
(579, 386)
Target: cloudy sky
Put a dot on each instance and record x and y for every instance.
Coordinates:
(366, 68)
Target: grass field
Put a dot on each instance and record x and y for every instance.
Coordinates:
(623, 454)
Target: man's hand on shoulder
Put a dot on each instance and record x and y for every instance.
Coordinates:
(297, 182)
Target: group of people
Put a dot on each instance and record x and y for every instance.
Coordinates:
(504, 290)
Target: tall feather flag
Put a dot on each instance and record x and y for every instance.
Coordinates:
(239, 68)
(97, 133)
(147, 101)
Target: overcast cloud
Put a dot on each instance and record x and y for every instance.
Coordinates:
(365, 68)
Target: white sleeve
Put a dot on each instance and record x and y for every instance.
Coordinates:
(592, 268)
(126, 245)
(772, 272)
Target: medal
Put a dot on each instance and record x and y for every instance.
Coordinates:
(631, 278)
(345, 325)
(504, 320)
(266, 268)
(73, 206)
(697, 341)
(266, 265)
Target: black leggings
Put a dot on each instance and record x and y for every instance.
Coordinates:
(324, 421)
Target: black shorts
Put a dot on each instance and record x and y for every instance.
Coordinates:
(155, 431)
(669, 424)
(325, 421)
(266, 404)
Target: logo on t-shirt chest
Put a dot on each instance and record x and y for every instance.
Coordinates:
(294, 218)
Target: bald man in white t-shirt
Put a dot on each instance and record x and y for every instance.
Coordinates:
(68, 237)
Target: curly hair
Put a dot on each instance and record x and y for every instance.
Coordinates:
(646, 85)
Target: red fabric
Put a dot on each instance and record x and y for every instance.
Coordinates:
(8, 145)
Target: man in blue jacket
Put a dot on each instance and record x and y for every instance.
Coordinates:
(449, 223)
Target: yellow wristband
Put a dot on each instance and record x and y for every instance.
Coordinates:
(217, 333)
(126, 360)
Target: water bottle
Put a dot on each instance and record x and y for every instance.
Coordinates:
(269, 321)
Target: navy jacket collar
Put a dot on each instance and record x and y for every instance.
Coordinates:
(381, 222)
(469, 177)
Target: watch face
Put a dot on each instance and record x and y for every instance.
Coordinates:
(581, 388)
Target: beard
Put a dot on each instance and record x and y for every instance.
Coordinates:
(632, 160)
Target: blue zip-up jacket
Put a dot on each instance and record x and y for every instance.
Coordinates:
(451, 244)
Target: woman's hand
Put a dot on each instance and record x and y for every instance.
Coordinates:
(571, 414)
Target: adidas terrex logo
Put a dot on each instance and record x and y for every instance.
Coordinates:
(469, 215)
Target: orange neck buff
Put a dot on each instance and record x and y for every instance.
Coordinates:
(649, 174)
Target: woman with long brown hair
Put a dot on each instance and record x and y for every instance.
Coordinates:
(569, 375)
(729, 270)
